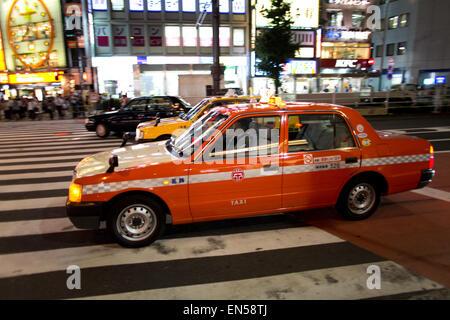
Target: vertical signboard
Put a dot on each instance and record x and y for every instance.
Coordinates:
(155, 36)
(2, 54)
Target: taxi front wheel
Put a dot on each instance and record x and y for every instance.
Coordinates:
(359, 199)
(101, 130)
(136, 221)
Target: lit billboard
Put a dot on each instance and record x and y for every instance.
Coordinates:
(304, 13)
(32, 34)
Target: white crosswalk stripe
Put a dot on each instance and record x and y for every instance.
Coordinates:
(36, 238)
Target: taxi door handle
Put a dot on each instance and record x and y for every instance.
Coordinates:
(351, 160)
(269, 167)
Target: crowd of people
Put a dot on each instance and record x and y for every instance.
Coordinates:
(31, 108)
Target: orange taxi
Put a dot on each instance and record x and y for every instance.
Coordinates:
(247, 159)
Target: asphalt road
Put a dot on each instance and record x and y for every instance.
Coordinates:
(309, 255)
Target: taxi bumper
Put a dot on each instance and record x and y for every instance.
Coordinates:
(426, 177)
(85, 215)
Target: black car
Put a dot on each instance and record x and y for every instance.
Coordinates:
(137, 110)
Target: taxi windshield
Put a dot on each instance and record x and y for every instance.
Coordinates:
(191, 114)
(198, 132)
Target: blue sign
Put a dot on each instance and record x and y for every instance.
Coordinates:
(333, 34)
(441, 80)
(141, 60)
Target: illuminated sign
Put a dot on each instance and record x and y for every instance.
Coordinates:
(4, 78)
(154, 5)
(344, 63)
(347, 35)
(441, 80)
(239, 6)
(2, 55)
(303, 38)
(171, 5)
(304, 13)
(305, 52)
(350, 2)
(38, 77)
(34, 34)
(188, 5)
(300, 67)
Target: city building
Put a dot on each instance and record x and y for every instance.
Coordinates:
(415, 49)
(144, 47)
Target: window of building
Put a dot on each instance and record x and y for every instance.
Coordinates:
(393, 22)
(224, 36)
(171, 6)
(136, 5)
(172, 34)
(100, 5)
(154, 5)
(117, 5)
(358, 18)
(189, 5)
(404, 20)
(239, 6)
(390, 49)
(206, 36)
(379, 51)
(343, 50)
(401, 48)
(382, 24)
(238, 37)
(205, 5)
(335, 18)
(189, 36)
(224, 6)
(311, 132)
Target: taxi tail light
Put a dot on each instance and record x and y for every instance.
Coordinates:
(431, 163)
(75, 192)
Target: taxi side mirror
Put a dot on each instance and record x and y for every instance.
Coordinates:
(113, 162)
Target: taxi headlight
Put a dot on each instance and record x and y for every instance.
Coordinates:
(139, 134)
(75, 192)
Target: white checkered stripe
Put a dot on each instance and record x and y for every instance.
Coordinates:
(395, 160)
(141, 184)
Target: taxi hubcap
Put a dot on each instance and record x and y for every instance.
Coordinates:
(136, 222)
(101, 130)
(361, 198)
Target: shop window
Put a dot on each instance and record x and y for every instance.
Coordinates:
(393, 23)
(314, 132)
(189, 36)
(404, 18)
(238, 37)
(390, 49)
(172, 34)
(401, 48)
(379, 51)
(341, 50)
(117, 5)
(358, 18)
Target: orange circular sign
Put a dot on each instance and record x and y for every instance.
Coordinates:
(30, 31)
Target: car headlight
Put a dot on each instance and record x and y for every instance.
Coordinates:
(75, 192)
(139, 135)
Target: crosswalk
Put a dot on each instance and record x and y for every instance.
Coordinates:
(270, 257)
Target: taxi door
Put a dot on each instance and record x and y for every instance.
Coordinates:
(238, 173)
(321, 154)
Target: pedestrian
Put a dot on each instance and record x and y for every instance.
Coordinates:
(124, 100)
(31, 105)
(59, 104)
(15, 111)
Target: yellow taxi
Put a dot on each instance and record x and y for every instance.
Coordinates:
(246, 160)
(164, 128)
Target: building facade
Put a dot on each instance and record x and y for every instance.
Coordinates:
(145, 47)
(415, 49)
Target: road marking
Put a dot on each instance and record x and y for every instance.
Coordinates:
(339, 283)
(434, 193)
(34, 187)
(32, 203)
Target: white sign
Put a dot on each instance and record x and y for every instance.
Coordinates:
(303, 38)
(136, 5)
(346, 63)
(154, 5)
(99, 5)
(300, 67)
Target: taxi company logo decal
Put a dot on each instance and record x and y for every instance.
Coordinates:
(366, 142)
(327, 159)
(308, 158)
(237, 175)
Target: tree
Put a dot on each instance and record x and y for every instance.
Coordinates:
(274, 44)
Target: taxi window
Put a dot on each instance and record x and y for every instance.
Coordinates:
(248, 137)
(310, 132)
(137, 105)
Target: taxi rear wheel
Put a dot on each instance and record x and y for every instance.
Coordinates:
(136, 221)
(102, 130)
(359, 199)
